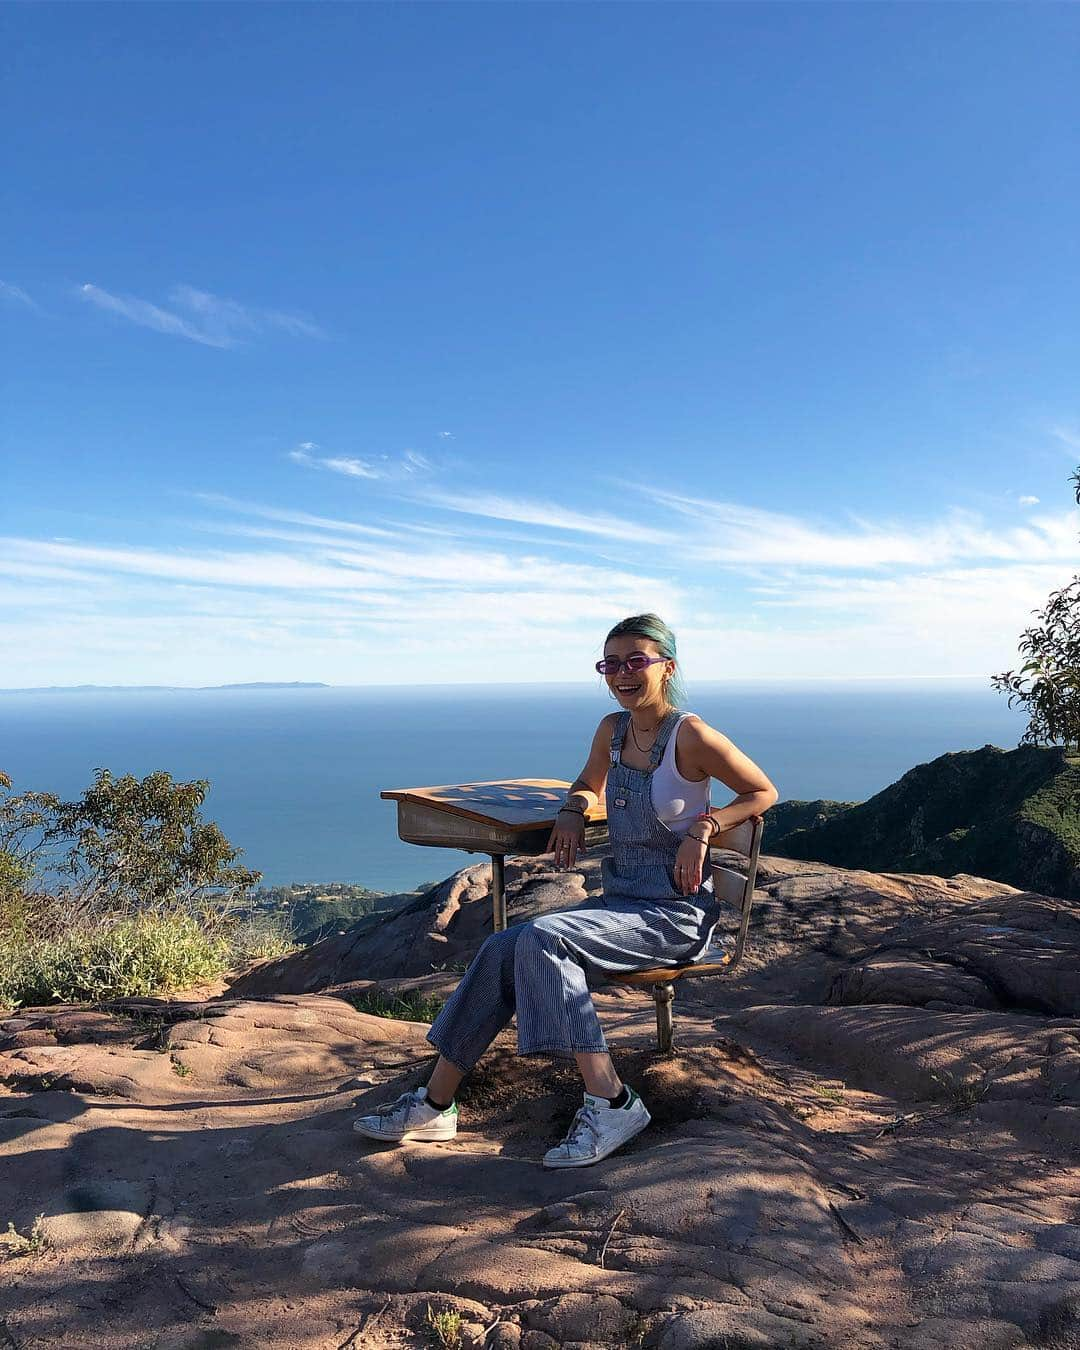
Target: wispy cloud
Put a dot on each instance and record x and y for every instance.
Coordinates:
(263, 570)
(408, 465)
(550, 515)
(734, 534)
(201, 317)
(152, 316)
(391, 529)
(285, 593)
(350, 466)
(327, 566)
(16, 295)
(1028, 501)
(1069, 436)
(292, 517)
(333, 598)
(230, 316)
(986, 592)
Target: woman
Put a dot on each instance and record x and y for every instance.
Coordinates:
(657, 906)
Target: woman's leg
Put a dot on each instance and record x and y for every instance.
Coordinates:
(598, 1074)
(444, 1082)
(471, 1018)
(477, 1010)
(538, 970)
(555, 1013)
(560, 952)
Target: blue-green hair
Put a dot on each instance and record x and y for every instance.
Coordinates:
(652, 626)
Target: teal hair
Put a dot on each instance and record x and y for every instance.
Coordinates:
(652, 626)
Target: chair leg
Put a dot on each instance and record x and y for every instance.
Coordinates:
(664, 994)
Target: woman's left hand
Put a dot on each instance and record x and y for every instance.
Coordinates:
(689, 862)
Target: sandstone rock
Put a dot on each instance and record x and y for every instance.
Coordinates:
(538, 1340)
(711, 1327)
(97, 1230)
(504, 1336)
(1059, 1323)
(204, 1338)
(868, 1139)
(270, 1043)
(582, 1317)
(1015, 951)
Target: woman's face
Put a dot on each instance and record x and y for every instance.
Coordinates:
(640, 688)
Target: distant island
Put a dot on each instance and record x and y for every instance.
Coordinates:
(162, 688)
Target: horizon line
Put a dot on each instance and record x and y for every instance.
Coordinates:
(303, 686)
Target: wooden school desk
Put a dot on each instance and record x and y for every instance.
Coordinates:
(510, 815)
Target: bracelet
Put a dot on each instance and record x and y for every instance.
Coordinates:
(717, 828)
(573, 811)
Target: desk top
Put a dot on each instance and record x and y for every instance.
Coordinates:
(512, 803)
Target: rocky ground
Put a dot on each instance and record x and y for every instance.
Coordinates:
(868, 1137)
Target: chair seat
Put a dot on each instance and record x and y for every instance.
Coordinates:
(716, 959)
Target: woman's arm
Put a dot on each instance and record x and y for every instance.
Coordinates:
(568, 835)
(711, 753)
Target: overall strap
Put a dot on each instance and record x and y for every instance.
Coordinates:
(663, 735)
(618, 733)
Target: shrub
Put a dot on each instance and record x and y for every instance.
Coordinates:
(444, 1328)
(409, 1006)
(133, 956)
(142, 841)
(18, 1244)
(143, 895)
(1047, 685)
(261, 937)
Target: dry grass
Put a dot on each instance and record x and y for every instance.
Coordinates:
(30, 1244)
(64, 949)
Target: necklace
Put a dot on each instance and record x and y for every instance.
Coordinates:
(643, 748)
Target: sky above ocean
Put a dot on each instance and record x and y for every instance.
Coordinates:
(380, 344)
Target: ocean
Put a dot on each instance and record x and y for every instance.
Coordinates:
(295, 774)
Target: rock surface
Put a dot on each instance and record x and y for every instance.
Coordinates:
(868, 1137)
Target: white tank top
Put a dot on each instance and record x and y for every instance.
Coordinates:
(678, 801)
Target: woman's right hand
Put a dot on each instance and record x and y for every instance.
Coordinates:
(567, 838)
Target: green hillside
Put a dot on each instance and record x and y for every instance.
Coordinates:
(314, 910)
(1011, 815)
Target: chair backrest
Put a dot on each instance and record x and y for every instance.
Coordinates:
(733, 887)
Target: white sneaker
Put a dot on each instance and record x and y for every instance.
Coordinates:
(409, 1117)
(597, 1130)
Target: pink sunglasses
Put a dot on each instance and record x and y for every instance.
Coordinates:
(611, 665)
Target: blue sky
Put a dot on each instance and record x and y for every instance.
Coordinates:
(415, 343)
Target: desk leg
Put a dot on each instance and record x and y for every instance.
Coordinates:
(664, 994)
(498, 893)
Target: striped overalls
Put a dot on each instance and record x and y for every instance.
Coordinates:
(542, 970)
